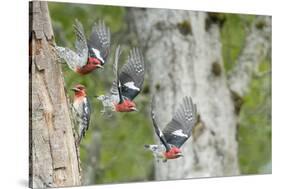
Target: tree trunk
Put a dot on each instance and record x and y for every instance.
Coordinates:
(183, 57)
(53, 154)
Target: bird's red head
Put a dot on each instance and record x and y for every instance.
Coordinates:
(173, 153)
(95, 62)
(126, 106)
(92, 64)
(79, 91)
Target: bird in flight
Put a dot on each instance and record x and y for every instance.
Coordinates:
(127, 83)
(90, 54)
(176, 132)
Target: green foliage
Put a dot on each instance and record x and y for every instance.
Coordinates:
(254, 134)
(64, 14)
(255, 125)
(124, 152)
(233, 37)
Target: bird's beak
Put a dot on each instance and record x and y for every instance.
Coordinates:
(180, 155)
(75, 89)
(134, 109)
(100, 66)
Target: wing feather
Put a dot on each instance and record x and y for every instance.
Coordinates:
(100, 39)
(78, 58)
(156, 128)
(179, 129)
(132, 74)
(80, 43)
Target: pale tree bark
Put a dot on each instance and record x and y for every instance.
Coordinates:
(53, 155)
(183, 58)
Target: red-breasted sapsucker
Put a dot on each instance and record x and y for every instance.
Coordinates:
(127, 84)
(176, 133)
(82, 110)
(90, 54)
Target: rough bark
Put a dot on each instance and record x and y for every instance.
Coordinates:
(257, 47)
(53, 155)
(183, 57)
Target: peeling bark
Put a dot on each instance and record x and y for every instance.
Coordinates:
(183, 57)
(53, 155)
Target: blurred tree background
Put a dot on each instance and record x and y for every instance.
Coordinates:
(112, 150)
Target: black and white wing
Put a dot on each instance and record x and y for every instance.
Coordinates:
(99, 42)
(179, 129)
(78, 58)
(87, 114)
(131, 75)
(84, 121)
(156, 128)
(81, 42)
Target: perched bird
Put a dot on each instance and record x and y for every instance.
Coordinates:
(174, 135)
(127, 84)
(82, 110)
(89, 55)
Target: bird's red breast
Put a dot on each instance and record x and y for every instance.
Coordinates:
(172, 153)
(91, 65)
(125, 106)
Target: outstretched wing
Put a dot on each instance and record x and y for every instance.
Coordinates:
(114, 88)
(78, 58)
(72, 59)
(132, 74)
(81, 42)
(179, 129)
(156, 128)
(99, 42)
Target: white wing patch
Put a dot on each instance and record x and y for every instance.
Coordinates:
(160, 132)
(97, 53)
(131, 85)
(179, 133)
